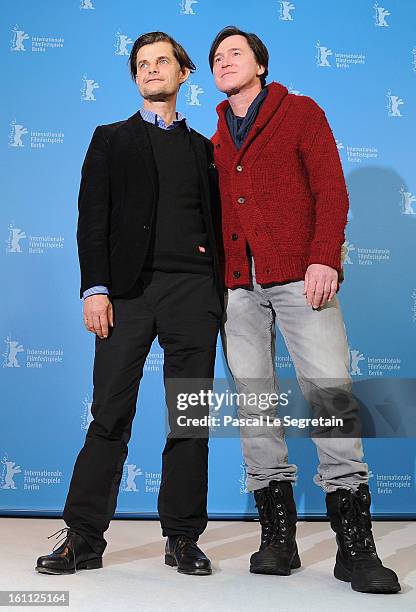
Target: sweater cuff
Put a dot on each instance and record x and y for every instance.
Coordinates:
(326, 253)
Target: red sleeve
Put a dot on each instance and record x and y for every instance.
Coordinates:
(326, 179)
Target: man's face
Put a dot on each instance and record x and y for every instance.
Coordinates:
(158, 72)
(235, 66)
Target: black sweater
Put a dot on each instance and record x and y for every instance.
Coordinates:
(179, 240)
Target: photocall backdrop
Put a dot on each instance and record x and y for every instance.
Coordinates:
(65, 72)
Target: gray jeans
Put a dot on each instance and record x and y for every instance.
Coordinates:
(317, 343)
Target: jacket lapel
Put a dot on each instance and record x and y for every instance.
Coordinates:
(136, 127)
(202, 162)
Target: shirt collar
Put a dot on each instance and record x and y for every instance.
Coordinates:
(156, 119)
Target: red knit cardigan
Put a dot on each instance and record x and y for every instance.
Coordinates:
(283, 192)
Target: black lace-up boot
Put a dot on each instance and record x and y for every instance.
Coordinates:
(357, 561)
(278, 552)
(73, 554)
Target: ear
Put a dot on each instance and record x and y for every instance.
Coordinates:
(184, 75)
(261, 70)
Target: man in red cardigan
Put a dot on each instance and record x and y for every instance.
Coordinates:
(284, 211)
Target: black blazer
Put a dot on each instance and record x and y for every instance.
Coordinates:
(117, 199)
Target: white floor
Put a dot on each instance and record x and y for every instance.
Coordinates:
(134, 576)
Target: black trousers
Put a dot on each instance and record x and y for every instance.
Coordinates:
(183, 310)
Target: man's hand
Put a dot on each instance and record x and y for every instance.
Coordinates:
(98, 314)
(321, 283)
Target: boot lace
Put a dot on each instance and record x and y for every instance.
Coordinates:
(64, 537)
(181, 541)
(356, 527)
(274, 523)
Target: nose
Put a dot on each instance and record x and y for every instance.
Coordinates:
(152, 67)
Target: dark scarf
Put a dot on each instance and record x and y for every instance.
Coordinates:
(240, 126)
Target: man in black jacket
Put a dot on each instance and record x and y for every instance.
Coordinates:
(147, 238)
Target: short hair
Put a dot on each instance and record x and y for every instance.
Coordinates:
(256, 45)
(152, 37)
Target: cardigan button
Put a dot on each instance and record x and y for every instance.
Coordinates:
(236, 274)
(234, 236)
(146, 227)
(268, 270)
(241, 200)
(239, 168)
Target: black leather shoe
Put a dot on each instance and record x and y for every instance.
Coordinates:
(182, 551)
(74, 554)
